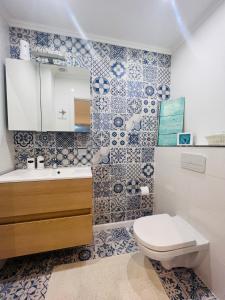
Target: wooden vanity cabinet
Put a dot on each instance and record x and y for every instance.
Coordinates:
(39, 216)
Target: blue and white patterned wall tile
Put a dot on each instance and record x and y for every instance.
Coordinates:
(127, 85)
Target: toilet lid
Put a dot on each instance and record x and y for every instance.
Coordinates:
(163, 232)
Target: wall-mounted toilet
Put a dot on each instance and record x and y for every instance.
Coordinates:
(171, 240)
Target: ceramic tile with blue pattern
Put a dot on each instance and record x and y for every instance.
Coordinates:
(100, 49)
(119, 121)
(150, 58)
(62, 43)
(14, 52)
(118, 170)
(135, 89)
(133, 155)
(102, 205)
(118, 69)
(135, 72)
(102, 189)
(163, 76)
(105, 160)
(164, 60)
(102, 104)
(150, 107)
(101, 219)
(147, 170)
(118, 105)
(118, 204)
(118, 216)
(147, 154)
(101, 173)
(118, 138)
(102, 236)
(118, 87)
(150, 73)
(84, 157)
(147, 202)
(133, 202)
(149, 89)
(120, 234)
(134, 139)
(146, 212)
(100, 139)
(118, 52)
(16, 34)
(101, 67)
(23, 139)
(101, 85)
(83, 140)
(65, 140)
(102, 121)
(148, 139)
(83, 47)
(134, 105)
(133, 187)
(149, 123)
(21, 155)
(134, 56)
(83, 61)
(118, 187)
(65, 156)
(118, 156)
(44, 139)
(133, 214)
(163, 92)
(133, 170)
(42, 39)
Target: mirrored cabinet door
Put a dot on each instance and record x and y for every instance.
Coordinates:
(45, 97)
(60, 87)
(23, 95)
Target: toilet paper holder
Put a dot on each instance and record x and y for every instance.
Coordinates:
(144, 190)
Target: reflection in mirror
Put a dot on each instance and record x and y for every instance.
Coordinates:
(82, 115)
(65, 94)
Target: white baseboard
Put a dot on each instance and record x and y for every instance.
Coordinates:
(113, 225)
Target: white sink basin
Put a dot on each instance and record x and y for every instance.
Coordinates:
(46, 174)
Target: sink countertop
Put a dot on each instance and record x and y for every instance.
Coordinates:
(22, 175)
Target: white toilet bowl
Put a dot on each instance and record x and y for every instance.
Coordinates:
(171, 240)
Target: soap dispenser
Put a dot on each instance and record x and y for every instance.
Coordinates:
(30, 163)
(40, 162)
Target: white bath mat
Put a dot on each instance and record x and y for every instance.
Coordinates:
(123, 277)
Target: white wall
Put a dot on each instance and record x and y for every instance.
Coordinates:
(198, 198)
(198, 73)
(6, 143)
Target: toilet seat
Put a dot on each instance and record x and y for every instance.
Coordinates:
(163, 233)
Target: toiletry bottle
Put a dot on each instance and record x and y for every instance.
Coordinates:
(40, 162)
(30, 163)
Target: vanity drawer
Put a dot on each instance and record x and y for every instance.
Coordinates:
(39, 236)
(43, 197)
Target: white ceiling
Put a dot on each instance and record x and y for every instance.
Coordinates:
(149, 24)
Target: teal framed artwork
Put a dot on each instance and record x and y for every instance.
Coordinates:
(184, 138)
(171, 121)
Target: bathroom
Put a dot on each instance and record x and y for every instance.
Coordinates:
(112, 149)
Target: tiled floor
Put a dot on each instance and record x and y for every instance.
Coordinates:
(26, 278)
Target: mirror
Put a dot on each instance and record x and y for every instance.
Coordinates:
(65, 95)
(46, 97)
